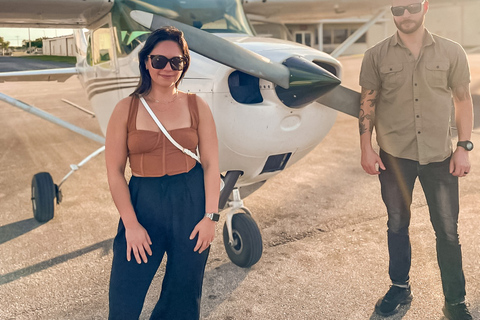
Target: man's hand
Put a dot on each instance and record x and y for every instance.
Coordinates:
(460, 163)
(371, 161)
(206, 233)
(139, 242)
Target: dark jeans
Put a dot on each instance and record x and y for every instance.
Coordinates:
(441, 191)
(168, 208)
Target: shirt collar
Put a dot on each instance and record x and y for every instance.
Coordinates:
(427, 39)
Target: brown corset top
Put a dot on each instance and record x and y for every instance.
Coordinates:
(151, 154)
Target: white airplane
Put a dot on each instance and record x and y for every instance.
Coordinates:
(273, 101)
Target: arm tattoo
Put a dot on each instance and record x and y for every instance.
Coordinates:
(367, 117)
(363, 118)
(462, 93)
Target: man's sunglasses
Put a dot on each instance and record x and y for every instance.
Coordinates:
(412, 8)
(159, 62)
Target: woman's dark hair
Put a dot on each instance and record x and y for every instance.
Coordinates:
(165, 33)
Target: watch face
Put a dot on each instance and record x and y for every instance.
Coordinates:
(468, 145)
(213, 216)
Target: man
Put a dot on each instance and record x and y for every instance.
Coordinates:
(408, 81)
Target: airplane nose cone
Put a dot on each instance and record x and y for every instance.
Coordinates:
(308, 82)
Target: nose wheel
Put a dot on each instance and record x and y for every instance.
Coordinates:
(245, 247)
(241, 236)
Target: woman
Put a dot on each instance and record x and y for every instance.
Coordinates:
(163, 209)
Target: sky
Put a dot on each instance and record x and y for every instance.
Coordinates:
(16, 35)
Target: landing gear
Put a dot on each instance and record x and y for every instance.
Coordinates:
(43, 196)
(241, 236)
(44, 191)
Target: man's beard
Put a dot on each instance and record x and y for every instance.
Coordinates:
(417, 25)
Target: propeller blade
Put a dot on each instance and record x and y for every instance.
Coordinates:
(343, 100)
(220, 50)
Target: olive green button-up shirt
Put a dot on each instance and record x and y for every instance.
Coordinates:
(414, 101)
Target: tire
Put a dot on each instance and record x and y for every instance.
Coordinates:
(248, 246)
(43, 197)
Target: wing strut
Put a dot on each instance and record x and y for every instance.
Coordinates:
(357, 34)
(47, 116)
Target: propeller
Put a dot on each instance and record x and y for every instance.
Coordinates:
(342, 99)
(298, 81)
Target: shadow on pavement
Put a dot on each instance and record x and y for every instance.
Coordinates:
(105, 245)
(219, 284)
(402, 312)
(16, 229)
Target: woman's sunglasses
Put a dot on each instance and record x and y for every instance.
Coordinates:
(412, 8)
(159, 62)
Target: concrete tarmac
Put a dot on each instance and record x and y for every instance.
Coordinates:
(322, 220)
(9, 63)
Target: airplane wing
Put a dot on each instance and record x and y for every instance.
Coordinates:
(285, 10)
(52, 13)
(60, 75)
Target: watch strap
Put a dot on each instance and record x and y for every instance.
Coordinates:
(467, 145)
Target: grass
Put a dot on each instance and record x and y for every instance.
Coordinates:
(71, 60)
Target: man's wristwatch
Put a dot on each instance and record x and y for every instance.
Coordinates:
(467, 145)
(212, 216)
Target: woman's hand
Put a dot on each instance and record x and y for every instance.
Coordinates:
(139, 242)
(206, 233)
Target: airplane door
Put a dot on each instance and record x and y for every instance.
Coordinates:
(304, 37)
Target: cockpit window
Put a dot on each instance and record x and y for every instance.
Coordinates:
(100, 50)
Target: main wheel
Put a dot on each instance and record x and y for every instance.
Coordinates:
(43, 197)
(247, 245)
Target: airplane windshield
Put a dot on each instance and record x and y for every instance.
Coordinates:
(220, 16)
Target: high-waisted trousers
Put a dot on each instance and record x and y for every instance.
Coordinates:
(169, 208)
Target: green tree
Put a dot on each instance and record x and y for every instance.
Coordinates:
(4, 45)
(37, 43)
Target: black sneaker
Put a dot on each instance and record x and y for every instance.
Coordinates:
(456, 311)
(395, 296)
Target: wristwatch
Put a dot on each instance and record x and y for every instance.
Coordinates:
(467, 145)
(212, 216)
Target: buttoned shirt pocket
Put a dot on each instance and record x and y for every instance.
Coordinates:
(437, 73)
(392, 75)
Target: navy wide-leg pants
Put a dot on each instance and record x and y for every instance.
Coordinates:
(168, 207)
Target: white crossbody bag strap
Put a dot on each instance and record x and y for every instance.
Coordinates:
(165, 132)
